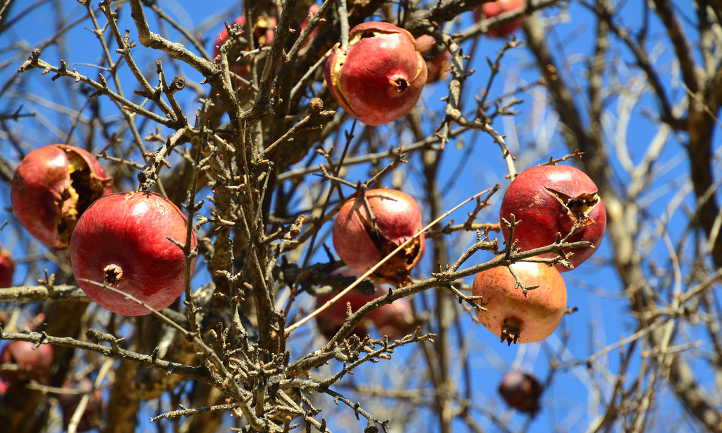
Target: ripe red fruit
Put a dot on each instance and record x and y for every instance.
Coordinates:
(381, 76)
(91, 417)
(122, 241)
(361, 245)
(7, 269)
(516, 316)
(394, 320)
(550, 200)
(52, 187)
(494, 8)
(437, 63)
(32, 363)
(521, 391)
(263, 35)
(312, 10)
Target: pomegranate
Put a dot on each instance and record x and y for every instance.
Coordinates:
(263, 35)
(394, 320)
(498, 7)
(361, 243)
(7, 269)
(32, 362)
(122, 241)
(437, 63)
(312, 10)
(555, 199)
(521, 391)
(517, 315)
(91, 417)
(52, 187)
(380, 77)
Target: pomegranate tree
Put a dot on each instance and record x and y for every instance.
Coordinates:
(122, 241)
(551, 201)
(525, 311)
(362, 240)
(498, 7)
(263, 35)
(521, 391)
(7, 268)
(52, 187)
(381, 75)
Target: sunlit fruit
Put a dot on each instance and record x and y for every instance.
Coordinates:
(498, 7)
(521, 391)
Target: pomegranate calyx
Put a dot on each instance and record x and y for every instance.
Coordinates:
(510, 331)
(112, 274)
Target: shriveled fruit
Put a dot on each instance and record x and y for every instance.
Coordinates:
(495, 8)
(7, 268)
(31, 362)
(521, 314)
(122, 241)
(437, 62)
(521, 391)
(362, 242)
(552, 200)
(263, 35)
(52, 187)
(381, 75)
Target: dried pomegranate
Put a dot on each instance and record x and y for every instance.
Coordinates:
(517, 315)
(7, 269)
(362, 242)
(495, 8)
(380, 77)
(551, 200)
(52, 187)
(521, 391)
(122, 241)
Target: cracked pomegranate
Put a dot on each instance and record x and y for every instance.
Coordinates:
(362, 241)
(122, 241)
(551, 200)
(525, 312)
(7, 269)
(381, 75)
(52, 187)
(521, 391)
(495, 8)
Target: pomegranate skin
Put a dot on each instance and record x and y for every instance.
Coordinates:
(521, 391)
(395, 319)
(536, 198)
(398, 217)
(33, 363)
(437, 65)
(495, 8)
(381, 76)
(513, 316)
(7, 269)
(122, 241)
(52, 187)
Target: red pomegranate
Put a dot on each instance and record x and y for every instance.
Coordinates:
(380, 77)
(551, 200)
(263, 35)
(92, 415)
(312, 10)
(7, 269)
(122, 241)
(495, 8)
(32, 362)
(52, 187)
(521, 391)
(361, 245)
(394, 320)
(437, 63)
(517, 316)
